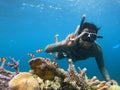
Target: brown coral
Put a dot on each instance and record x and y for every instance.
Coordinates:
(44, 68)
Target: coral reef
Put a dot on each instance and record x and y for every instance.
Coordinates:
(45, 68)
(5, 75)
(46, 74)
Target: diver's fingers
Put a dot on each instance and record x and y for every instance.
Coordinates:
(79, 36)
(69, 36)
(77, 29)
(72, 36)
(72, 39)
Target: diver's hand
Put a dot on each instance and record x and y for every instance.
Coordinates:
(70, 36)
(78, 37)
(69, 41)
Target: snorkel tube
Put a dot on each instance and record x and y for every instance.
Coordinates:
(81, 23)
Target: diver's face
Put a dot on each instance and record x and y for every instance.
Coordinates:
(89, 35)
(88, 38)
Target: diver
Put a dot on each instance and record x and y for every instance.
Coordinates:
(81, 45)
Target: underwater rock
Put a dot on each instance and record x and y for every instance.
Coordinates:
(24, 81)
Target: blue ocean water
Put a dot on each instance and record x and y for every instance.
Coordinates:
(27, 25)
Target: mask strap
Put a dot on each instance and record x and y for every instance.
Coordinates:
(99, 36)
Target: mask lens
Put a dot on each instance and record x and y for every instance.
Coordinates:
(90, 37)
(85, 36)
(93, 36)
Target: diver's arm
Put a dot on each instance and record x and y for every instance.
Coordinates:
(60, 55)
(101, 66)
(51, 48)
(56, 47)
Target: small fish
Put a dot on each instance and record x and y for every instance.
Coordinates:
(31, 55)
(39, 50)
(117, 46)
(50, 53)
(3, 59)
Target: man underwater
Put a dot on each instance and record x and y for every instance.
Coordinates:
(81, 45)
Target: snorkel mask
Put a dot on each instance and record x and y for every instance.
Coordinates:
(88, 36)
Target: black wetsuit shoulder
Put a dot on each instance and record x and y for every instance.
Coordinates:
(79, 53)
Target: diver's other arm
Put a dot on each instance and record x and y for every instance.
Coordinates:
(104, 71)
(101, 66)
